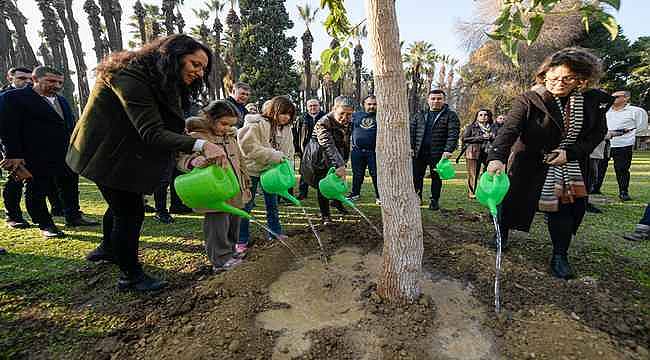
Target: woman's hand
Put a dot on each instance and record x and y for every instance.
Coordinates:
(496, 167)
(340, 172)
(214, 153)
(560, 159)
(199, 162)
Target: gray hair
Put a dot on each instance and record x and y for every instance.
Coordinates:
(313, 101)
(241, 85)
(344, 101)
(626, 93)
(43, 70)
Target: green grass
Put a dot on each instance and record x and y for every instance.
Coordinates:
(49, 295)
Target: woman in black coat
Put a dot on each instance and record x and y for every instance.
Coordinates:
(130, 128)
(476, 138)
(558, 124)
(328, 147)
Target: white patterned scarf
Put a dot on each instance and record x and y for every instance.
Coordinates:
(564, 183)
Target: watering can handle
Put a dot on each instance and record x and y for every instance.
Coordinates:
(331, 171)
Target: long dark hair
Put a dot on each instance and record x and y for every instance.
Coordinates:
(163, 58)
(489, 113)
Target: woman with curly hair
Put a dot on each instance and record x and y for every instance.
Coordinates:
(130, 129)
(558, 123)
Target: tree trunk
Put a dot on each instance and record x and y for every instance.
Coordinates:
(96, 28)
(168, 13)
(358, 62)
(109, 9)
(307, 43)
(64, 9)
(401, 216)
(22, 43)
(140, 14)
(6, 47)
(116, 9)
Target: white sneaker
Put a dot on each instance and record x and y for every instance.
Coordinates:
(378, 202)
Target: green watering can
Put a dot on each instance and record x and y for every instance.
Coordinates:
(492, 189)
(445, 169)
(279, 179)
(209, 188)
(334, 188)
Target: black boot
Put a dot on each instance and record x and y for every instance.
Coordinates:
(340, 207)
(99, 254)
(433, 205)
(560, 267)
(140, 282)
(593, 209)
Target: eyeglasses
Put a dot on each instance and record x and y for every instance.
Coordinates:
(565, 80)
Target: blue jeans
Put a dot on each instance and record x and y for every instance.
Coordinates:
(272, 214)
(646, 217)
(360, 160)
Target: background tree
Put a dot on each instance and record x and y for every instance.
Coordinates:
(168, 14)
(359, 33)
(265, 51)
(639, 82)
(233, 35)
(24, 54)
(96, 29)
(71, 28)
(140, 15)
(219, 67)
(308, 16)
(415, 58)
(112, 12)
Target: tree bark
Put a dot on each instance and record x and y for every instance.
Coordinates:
(22, 43)
(402, 221)
(96, 28)
(64, 9)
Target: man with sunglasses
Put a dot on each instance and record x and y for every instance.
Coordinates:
(623, 121)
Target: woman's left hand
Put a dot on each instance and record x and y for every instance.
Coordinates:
(560, 159)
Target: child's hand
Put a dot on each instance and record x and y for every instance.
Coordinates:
(199, 162)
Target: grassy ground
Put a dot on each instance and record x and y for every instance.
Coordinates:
(49, 295)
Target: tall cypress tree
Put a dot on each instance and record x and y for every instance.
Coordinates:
(264, 51)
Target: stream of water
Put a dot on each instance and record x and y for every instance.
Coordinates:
(367, 220)
(313, 229)
(274, 234)
(497, 301)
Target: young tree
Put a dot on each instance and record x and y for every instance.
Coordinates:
(264, 52)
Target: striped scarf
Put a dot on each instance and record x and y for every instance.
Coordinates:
(564, 183)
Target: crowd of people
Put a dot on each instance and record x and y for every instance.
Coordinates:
(142, 128)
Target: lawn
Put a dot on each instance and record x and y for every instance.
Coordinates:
(50, 296)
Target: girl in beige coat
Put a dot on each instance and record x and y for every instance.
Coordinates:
(266, 139)
(221, 230)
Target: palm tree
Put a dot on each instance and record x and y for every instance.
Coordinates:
(168, 13)
(358, 34)
(180, 22)
(111, 11)
(308, 15)
(430, 70)
(450, 77)
(23, 49)
(442, 73)
(416, 57)
(96, 28)
(219, 67)
(140, 15)
(66, 15)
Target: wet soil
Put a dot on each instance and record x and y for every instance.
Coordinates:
(276, 306)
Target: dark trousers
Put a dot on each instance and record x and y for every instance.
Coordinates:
(160, 194)
(564, 223)
(420, 170)
(622, 161)
(121, 227)
(645, 220)
(36, 190)
(66, 189)
(323, 205)
(362, 159)
(593, 176)
(12, 192)
(221, 231)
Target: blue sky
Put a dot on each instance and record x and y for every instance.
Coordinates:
(430, 20)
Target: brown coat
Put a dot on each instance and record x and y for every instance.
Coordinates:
(199, 128)
(535, 122)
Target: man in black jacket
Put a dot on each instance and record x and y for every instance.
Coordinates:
(12, 191)
(434, 135)
(302, 131)
(239, 96)
(38, 137)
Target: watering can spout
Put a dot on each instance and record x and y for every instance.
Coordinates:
(334, 188)
(223, 207)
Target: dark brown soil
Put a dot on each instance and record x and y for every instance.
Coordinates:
(205, 316)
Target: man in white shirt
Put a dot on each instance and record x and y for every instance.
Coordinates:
(623, 121)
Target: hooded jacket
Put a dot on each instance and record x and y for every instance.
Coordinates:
(199, 128)
(255, 143)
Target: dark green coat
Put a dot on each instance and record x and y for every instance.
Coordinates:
(128, 132)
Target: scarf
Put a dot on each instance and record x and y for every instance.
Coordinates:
(486, 129)
(563, 184)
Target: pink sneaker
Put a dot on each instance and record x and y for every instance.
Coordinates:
(241, 250)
